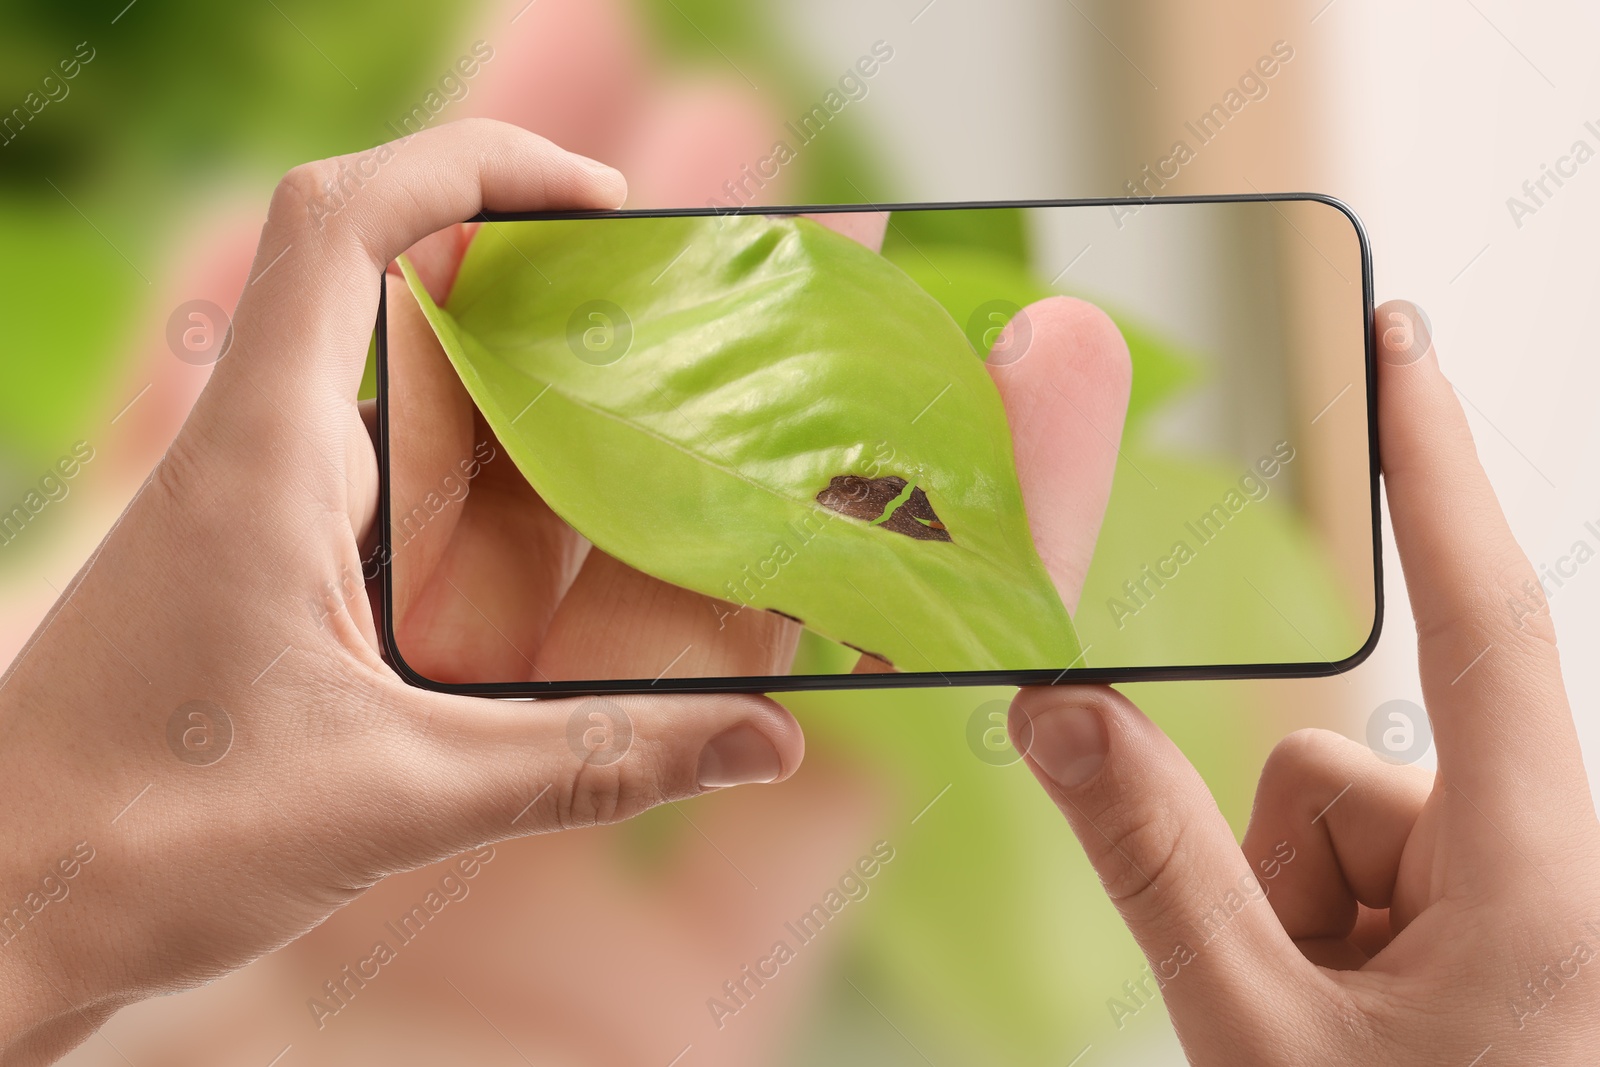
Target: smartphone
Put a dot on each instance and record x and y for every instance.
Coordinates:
(860, 446)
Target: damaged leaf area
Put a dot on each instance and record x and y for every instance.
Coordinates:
(890, 502)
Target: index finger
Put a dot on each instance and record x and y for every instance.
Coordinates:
(1491, 676)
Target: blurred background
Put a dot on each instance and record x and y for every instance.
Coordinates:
(139, 143)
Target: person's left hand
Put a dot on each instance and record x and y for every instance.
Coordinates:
(204, 733)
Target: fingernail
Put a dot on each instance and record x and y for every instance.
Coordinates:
(740, 755)
(1069, 744)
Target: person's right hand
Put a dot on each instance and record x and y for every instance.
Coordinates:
(1408, 918)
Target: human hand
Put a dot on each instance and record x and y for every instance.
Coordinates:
(1407, 918)
(211, 835)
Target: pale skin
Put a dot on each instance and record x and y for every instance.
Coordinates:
(341, 775)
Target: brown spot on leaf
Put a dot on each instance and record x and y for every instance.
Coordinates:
(867, 498)
(858, 497)
(915, 518)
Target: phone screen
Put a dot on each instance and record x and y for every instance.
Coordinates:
(920, 445)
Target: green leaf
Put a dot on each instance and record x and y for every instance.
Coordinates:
(766, 412)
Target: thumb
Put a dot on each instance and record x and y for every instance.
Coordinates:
(1168, 861)
(471, 770)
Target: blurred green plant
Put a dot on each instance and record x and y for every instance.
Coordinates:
(180, 97)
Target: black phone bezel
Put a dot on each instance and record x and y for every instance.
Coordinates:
(803, 683)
